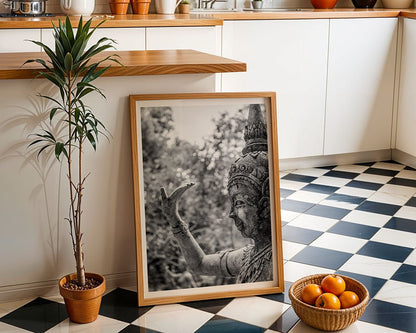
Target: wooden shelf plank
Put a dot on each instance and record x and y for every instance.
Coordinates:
(154, 62)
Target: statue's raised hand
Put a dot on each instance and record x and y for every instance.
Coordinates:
(170, 208)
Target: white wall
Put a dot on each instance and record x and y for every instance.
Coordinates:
(34, 242)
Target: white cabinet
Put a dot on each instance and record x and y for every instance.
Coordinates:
(126, 38)
(204, 39)
(360, 90)
(18, 40)
(290, 58)
(406, 116)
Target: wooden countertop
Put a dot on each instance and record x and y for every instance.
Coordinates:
(206, 19)
(156, 62)
(115, 21)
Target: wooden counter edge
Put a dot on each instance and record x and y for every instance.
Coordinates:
(155, 62)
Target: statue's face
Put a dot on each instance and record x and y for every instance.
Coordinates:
(244, 210)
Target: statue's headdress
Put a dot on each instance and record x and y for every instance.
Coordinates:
(252, 168)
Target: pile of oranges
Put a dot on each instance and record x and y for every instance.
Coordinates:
(330, 294)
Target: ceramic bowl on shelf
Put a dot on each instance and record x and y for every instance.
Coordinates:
(397, 3)
(323, 4)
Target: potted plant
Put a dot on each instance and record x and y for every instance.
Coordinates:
(71, 67)
(184, 7)
(257, 4)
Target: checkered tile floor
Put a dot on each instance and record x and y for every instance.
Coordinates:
(358, 220)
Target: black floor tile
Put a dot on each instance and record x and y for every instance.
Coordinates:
(379, 208)
(353, 230)
(364, 185)
(403, 182)
(385, 251)
(341, 174)
(317, 256)
(329, 167)
(324, 189)
(391, 315)
(137, 329)
(366, 163)
(346, 198)
(401, 224)
(284, 193)
(299, 235)
(295, 206)
(406, 273)
(37, 316)
(282, 297)
(299, 178)
(381, 172)
(220, 324)
(411, 202)
(328, 211)
(373, 284)
(211, 306)
(285, 322)
(121, 304)
(409, 168)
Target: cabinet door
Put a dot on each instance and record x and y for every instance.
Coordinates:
(406, 116)
(204, 39)
(17, 40)
(290, 58)
(360, 84)
(126, 38)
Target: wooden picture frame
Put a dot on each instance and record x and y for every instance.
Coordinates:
(198, 137)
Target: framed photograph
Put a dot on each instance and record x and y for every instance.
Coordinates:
(206, 194)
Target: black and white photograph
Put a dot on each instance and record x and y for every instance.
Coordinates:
(206, 188)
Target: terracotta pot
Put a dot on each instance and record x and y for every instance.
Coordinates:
(184, 8)
(82, 305)
(140, 7)
(119, 7)
(323, 4)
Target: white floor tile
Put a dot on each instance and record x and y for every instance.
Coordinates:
(411, 259)
(294, 271)
(331, 181)
(357, 327)
(388, 166)
(307, 196)
(313, 222)
(395, 237)
(291, 185)
(398, 292)
(367, 218)
(339, 242)
(6, 328)
(288, 215)
(101, 325)
(254, 310)
(8, 307)
(367, 177)
(371, 266)
(408, 174)
(313, 172)
(390, 198)
(351, 168)
(355, 191)
(185, 320)
(398, 189)
(290, 249)
(57, 299)
(407, 212)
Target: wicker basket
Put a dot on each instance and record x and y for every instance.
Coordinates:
(325, 319)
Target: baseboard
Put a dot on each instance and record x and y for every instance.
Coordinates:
(336, 159)
(404, 158)
(50, 288)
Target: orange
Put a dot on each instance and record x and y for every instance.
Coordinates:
(310, 293)
(348, 299)
(333, 284)
(328, 301)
